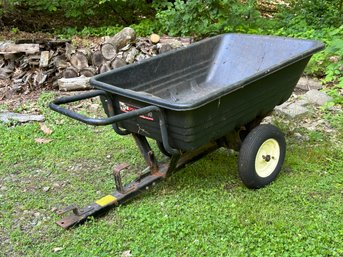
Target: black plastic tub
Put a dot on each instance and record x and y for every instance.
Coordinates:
(209, 88)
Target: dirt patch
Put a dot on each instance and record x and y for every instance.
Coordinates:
(23, 19)
(18, 101)
(15, 34)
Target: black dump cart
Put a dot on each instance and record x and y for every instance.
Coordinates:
(211, 94)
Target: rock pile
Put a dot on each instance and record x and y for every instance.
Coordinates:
(305, 96)
(26, 65)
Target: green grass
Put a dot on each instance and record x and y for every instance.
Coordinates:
(203, 210)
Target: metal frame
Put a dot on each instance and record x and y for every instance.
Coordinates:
(113, 119)
(153, 173)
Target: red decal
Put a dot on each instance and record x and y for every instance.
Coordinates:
(128, 108)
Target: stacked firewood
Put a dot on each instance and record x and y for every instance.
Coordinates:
(28, 65)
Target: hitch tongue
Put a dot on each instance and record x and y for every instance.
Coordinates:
(76, 210)
(69, 208)
(77, 216)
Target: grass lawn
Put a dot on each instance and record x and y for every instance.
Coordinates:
(203, 210)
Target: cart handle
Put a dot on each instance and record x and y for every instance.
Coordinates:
(55, 105)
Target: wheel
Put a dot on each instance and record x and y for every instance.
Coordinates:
(261, 156)
(161, 147)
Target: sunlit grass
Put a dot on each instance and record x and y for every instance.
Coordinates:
(203, 210)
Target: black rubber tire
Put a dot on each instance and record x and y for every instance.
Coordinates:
(162, 149)
(248, 154)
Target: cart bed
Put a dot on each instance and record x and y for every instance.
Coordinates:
(209, 88)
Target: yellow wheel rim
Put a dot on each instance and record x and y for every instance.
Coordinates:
(267, 158)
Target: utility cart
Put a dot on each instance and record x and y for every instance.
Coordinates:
(191, 101)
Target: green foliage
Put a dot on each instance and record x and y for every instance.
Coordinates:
(14, 30)
(30, 5)
(334, 56)
(189, 18)
(317, 13)
(327, 64)
(128, 12)
(103, 12)
(320, 20)
(145, 28)
(89, 31)
(200, 18)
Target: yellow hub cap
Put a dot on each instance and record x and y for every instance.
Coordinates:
(267, 158)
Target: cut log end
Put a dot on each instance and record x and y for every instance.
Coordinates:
(154, 38)
(105, 67)
(88, 72)
(116, 63)
(108, 51)
(97, 58)
(70, 72)
(79, 61)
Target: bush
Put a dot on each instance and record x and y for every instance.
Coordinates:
(203, 18)
(314, 13)
(86, 12)
(327, 64)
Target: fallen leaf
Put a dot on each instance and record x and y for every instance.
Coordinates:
(57, 249)
(45, 129)
(126, 253)
(42, 140)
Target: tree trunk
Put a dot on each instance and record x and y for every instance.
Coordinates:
(86, 52)
(39, 78)
(154, 38)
